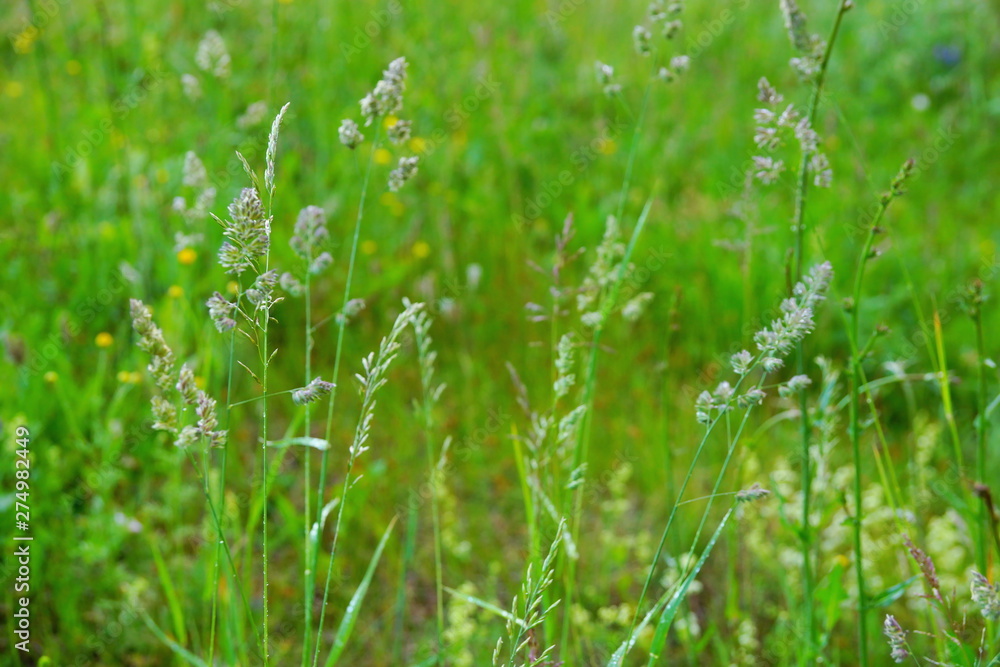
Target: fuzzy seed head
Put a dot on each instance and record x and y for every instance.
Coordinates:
(349, 133)
(212, 56)
(406, 170)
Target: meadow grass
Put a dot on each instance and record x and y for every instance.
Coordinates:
(573, 326)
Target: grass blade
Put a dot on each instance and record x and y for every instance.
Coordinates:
(316, 443)
(178, 650)
(169, 592)
(483, 604)
(354, 606)
(670, 612)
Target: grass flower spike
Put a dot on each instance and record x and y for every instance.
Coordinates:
(248, 231)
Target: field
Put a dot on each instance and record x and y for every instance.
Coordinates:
(683, 359)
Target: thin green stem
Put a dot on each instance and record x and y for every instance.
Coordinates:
(229, 555)
(435, 480)
(733, 440)
(260, 398)
(263, 450)
(583, 438)
(677, 503)
(307, 592)
(324, 460)
(342, 324)
(982, 423)
(333, 553)
(222, 480)
(857, 356)
(798, 226)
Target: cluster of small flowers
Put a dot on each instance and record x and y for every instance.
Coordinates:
(261, 293)
(797, 315)
(591, 299)
(406, 170)
(312, 392)
(462, 624)
(927, 569)
(253, 116)
(810, 46)
(426, 355)
(636, 306)
(774, 342)
(528, 611)
(606, 77)
(400, 131)
(678, 65)
(569, 423)
(191, 86)
(794, 385)
(754, 492)
(221, 311)
(272, 151)
(351, 310)
(161, 367)
(387, 97)
(662, 17)
(383, 102)
(248, 232)
(986, 596)
(896, 637)
(310, 236)
(771, 125)
(212, 56)
(151, 341)
(195, 177)
(565, 361)
(349, 134)
(375, 367)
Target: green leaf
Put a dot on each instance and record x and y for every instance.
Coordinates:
(831, 595)
(315, 443)
(178, 650)
(483, 604)
(176, 612)
(891, 594)
(626, 646)
(670, 611)
(354, 606)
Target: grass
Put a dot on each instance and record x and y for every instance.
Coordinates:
(599, 516)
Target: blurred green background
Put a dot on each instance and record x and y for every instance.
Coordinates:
(94, 127)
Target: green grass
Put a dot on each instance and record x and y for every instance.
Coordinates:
(94, 127)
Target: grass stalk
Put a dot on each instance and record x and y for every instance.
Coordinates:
(982, 425)
(583, 439)
(430, 394)
(307, 584)
(798, 226)
(856, 381)
(338, 354)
